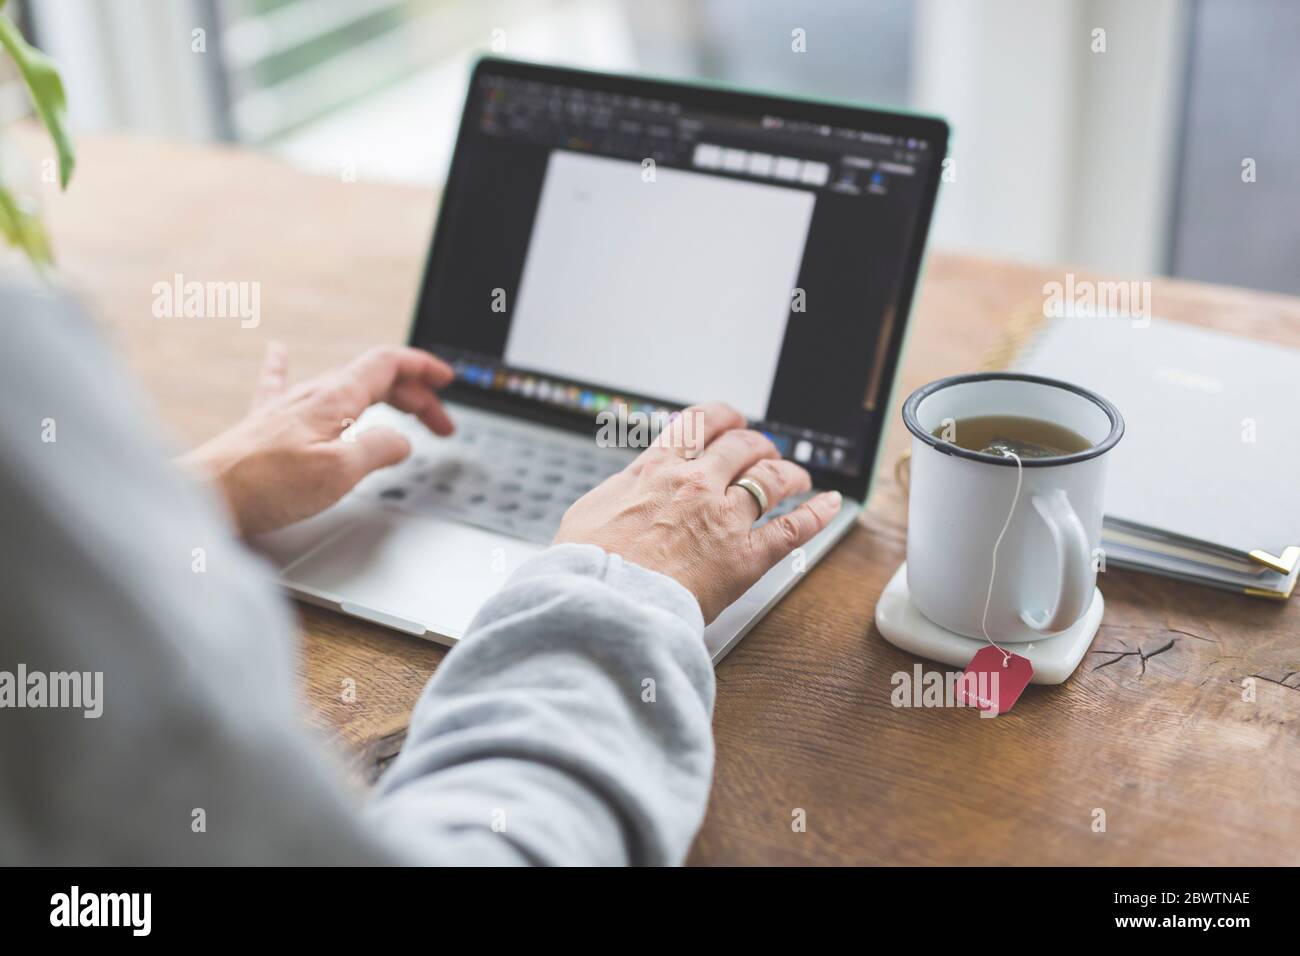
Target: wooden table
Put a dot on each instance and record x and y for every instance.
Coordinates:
(1159, 738)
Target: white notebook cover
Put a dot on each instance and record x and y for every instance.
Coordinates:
(1211, 450)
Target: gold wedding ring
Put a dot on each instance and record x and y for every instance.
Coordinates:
(755, 489)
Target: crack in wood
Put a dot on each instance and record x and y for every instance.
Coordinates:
(1165, 629)
(1280, 683)
(374, 758)
(1140, 654)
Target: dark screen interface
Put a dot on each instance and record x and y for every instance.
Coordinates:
(608, 251)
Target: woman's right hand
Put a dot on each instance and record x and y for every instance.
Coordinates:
(675, 510)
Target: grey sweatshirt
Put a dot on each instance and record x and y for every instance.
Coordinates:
(570, 726)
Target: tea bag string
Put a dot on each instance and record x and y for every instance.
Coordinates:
(988, 598)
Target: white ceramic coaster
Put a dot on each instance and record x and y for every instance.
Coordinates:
(1054, 658)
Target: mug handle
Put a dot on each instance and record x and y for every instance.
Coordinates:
(1074, 559)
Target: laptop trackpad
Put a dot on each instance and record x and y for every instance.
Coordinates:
(401, 567)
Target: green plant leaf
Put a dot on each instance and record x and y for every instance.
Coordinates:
(25, 230)
(46, 89)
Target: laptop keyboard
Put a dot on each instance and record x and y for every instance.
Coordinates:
(501, 475)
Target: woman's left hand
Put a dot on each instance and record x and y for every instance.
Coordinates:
(286, 461)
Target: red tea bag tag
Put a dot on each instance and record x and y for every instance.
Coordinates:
(994, 681)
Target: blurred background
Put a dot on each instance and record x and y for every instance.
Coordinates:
(1105, 134)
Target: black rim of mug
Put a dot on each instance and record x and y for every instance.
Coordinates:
(925, 391)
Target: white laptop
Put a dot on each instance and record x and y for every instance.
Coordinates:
(610, 249)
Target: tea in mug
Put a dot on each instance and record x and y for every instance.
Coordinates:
(1025, 437)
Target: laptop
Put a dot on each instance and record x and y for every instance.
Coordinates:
(610, 249)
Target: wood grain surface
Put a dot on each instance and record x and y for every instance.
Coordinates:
(1152, 729)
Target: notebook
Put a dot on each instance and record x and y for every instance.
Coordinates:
(1202, 487)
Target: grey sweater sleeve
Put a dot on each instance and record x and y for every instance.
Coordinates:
(571, 725)
(192, 751)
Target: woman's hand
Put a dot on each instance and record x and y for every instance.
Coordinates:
(675, 510)
(286, 461)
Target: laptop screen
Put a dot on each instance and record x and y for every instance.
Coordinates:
(617, 245)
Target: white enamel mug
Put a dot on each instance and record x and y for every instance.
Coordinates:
(959, 500)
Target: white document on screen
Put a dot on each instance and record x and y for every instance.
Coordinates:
(678, 288)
